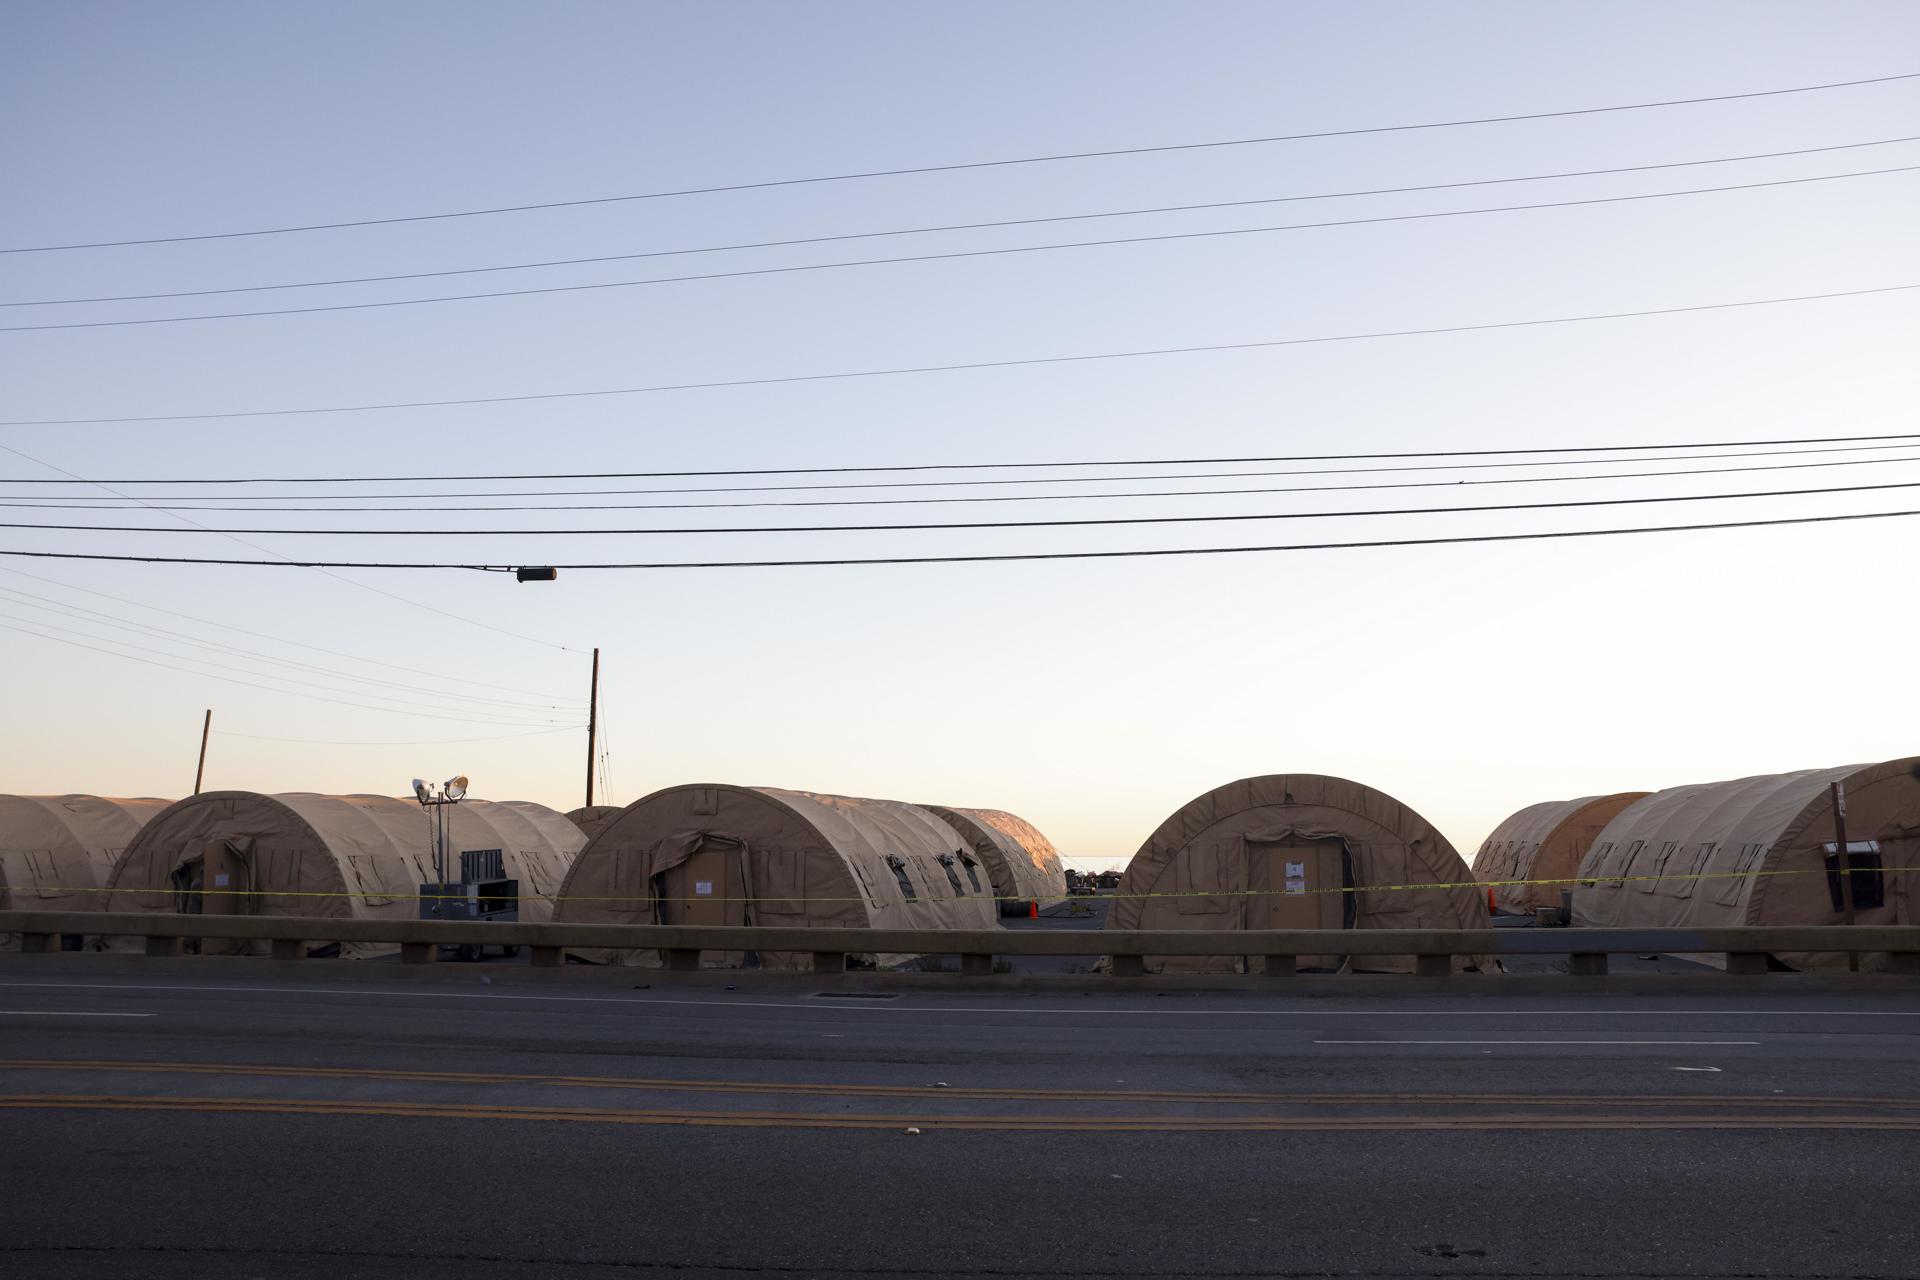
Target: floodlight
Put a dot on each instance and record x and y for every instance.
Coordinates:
(421, 791)
(457, 787)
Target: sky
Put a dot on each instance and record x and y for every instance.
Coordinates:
(1092, 696)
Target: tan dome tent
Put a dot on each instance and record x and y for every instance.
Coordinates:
(1021, 864)
(1544, 842)
(545, 840)
(361, 857)
(592, 817)
(57, 852)
(1759, 851)
(1295, 851)
(722, 855)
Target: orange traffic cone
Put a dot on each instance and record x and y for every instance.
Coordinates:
(1033, 910)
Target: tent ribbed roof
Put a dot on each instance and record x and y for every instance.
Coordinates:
(1544, 841)
(871, 827)
(372, 851)
(804, 857)
(590, 818)
(1750, 851)
(1533, 824)
(1022, 862)
(59, 848)
(1739, 812)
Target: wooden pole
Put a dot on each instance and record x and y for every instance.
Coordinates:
(593, 722)
(200, 770)
(1845, 865)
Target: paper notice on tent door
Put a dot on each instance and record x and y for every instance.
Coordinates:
(703, 888)
(1296, 886)
(1296, 870)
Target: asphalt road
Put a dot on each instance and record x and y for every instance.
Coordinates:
(263, 1127)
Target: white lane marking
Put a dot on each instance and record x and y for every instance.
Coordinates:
(1546, 1042)
(1696, 1068)
(807, 1002)
(65, 1013)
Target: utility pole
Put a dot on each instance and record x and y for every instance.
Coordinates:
(1845, 864)
(593, 721)
(200, 770)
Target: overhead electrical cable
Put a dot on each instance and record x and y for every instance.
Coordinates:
(978, 558)
(975, 365)
(292, 693)
(427, 742)
(948, 256)
(1027, 497)
(1058, 464)
(946, 228)
(148, 503)
(1051, 158)
(392, 702)
(981, 524)
(227, 627)
(26, 599)
(363, 586)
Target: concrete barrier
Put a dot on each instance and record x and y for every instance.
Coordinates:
(1433, 950)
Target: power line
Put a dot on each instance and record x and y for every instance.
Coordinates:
(423, 708)
(428, 742)
(1098, 521)
(261, 635)
(415, 604)
(291, 693)
(796, 242)
(1036, 497)
(29, 600)
(950, 256)
(977, 558)
(974, 365)
(1106, 153)
(149, 503)
(979, 466)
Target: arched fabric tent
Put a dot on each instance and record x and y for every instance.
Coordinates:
(545, 841)
(1544, 842)
(57, 852)
(359, 856)
(1022, 864)
(590, 818)
(724, 855)
(1295, 851)
(1760, 851)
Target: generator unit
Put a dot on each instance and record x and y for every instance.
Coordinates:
(483, 892)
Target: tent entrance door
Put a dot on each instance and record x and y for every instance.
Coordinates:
(1300, 882)
(1297, 883)
(704, 889)
(226, 879)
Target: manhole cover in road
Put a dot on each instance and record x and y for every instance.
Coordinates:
(856, 995)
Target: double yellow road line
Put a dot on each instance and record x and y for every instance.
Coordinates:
(997, 1124)
(1313, 1111)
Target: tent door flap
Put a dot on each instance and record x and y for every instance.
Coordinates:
(225, 877)
(1298, 883)
(703, 890)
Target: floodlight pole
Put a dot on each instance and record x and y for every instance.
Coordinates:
(200, 770)
(593, 721)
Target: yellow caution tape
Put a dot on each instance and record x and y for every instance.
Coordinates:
(1477, 887)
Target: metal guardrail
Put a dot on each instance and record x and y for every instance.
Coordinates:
(1432, 950)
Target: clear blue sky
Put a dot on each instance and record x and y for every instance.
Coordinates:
(1094, 698)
